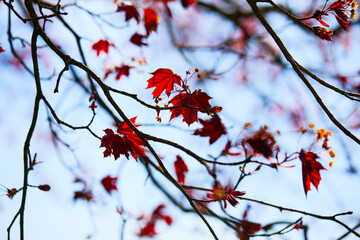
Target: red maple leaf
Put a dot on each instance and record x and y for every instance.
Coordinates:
(163, 79)
(1, 49)
(262, 142)
(130, 11)
(310, 169)
(137, 39)
(180, 169)
(197, 99)
(212, 128)
(125, 142)
(246, 227)
(148, 230)
(159, 215)
(150, 20)
(114, 144)
(122, 70)
(102, 46)
(109, 183)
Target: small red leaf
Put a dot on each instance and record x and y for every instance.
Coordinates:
(150, 20)
(109, 183)
(197, 99)
(262, 142)
(102, 46)
(122, 70)
(163, 79)
(148, 230)
(180, 169)
(1, 49)
(159, 215)
(212, 128)
(310, 169)
(130, 11)
(137, 39)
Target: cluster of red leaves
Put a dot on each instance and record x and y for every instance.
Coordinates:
(262, 142)
(102, 46)
(310, 169)
(122, 70)
(192, 102)
(212, 128)
(109, 183)
(1, 49)
(227, 193)
(149, 229)
(180, 169)
(125, 142)
(150, 18)
(343, 10)
(186, 103)
(246, 228)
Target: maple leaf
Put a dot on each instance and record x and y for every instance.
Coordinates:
(137, 39)
(129, 142)
(212, 128)
(130, 11)
(1, 49)
(150, 20)
(159, 215)
(310, 169)
(122, 70)
(180, 169)
(109, 183)
(246, 227)
(262, 142)
(163, 79)
(114, 144)
(148, 230)
(197, 99)
(102, 46)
